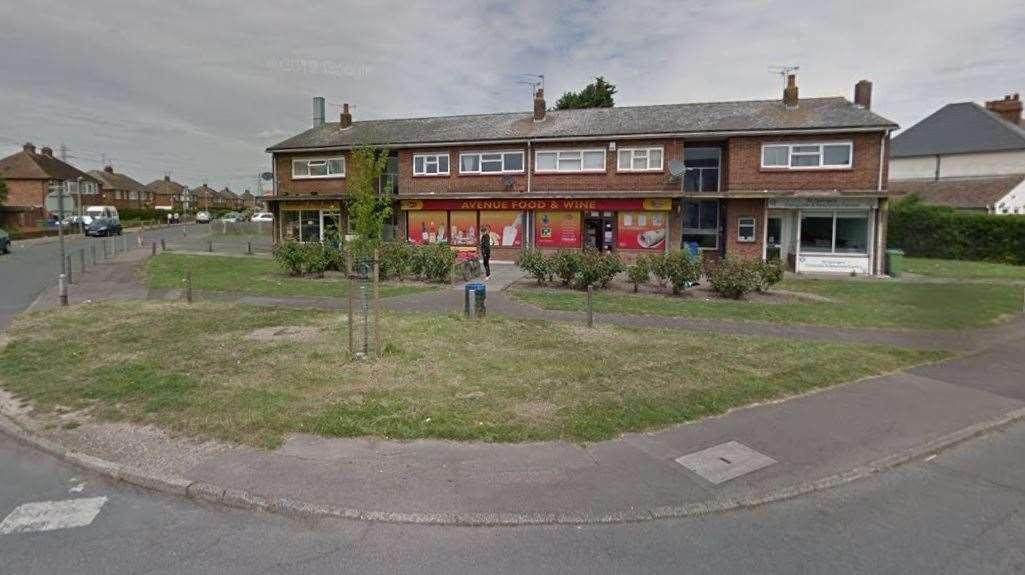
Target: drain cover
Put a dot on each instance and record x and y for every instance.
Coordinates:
(724, 462)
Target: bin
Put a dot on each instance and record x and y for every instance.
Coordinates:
(480, 295)
(693, 248)
(894, 262)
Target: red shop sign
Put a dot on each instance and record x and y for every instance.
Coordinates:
(563, 204)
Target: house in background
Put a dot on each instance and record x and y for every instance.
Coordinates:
(205, 198)
(33, 181)
(169, 195)
(119, 190)
(966, 156)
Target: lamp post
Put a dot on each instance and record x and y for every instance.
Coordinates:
(60, 224)
(78, 190)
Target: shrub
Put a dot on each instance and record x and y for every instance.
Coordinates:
(770, 273)
(596, 269)
(683, 269)
(396, 259)
(639, 272)
(659, 266)
(434, 262)
(566, 265)
(316, 258)
(533, 261)
(733, 277)
(289, 256)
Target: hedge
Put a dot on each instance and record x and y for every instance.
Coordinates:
(944, 232)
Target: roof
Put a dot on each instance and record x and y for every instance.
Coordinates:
(165, 187)
(961, 128)
(30, 165)
(745, 116)
(206, 190)
(116, 181)
(960, 192)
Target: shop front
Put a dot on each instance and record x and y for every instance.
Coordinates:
(823, 235)
(309, 221)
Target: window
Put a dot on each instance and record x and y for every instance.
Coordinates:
(430, 165)
(701, 223)
(318, 168)
(570, 161)
(806, 156)
(491, 163)
(702, 169)
(640, 159)
(834, 233)
(745, 229)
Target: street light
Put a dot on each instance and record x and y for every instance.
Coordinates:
(60, 225)
(78, 190)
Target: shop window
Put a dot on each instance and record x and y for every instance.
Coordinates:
(463, 227)
(702, 169)
(851, 234)
(745, 229)
(701, 223)
(427, 227)
(641, 230)
(309, 226)
(557, 229)
(834, 232)
(505, 227)
(290, 225)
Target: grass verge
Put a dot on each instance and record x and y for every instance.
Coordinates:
(852, 303)
(963, 269)
(200, 371)
(253, 276)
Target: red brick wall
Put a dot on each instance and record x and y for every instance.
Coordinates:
(735, 209)
(25, 192)
(745, 171)
(286, 186)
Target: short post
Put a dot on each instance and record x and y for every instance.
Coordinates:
(81, 256)
(352, 343)
(210, 246)
(62, 289)
(377, 307)
(92, 248)
(590, 306)
(471, 303)
(67, 267)
(153, 250)
(163, 245)
(250, 251)
(188, 286)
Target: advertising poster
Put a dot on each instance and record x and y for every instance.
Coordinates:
(557, 229)
(428, 227)
(506, 227)
(462, 228)
(642, 230)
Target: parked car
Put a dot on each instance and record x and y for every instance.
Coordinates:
(5, 242)
(263, 217)
(203, 218)
(74, 220)
(105, 221)
(232, 217)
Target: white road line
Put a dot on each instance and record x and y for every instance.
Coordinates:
(50, 515)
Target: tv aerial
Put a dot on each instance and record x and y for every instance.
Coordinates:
(535, 81)
(783, 72)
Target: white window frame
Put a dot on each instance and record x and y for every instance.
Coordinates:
(480, 162)
(569, 153)
(747, 222)
(434, 157)
(636, 153)
(837, 215)
(325, 160)
(821, 153)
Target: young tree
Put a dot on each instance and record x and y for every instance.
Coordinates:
(369, 203)
(598, 94)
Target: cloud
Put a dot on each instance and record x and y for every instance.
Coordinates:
(202, 90)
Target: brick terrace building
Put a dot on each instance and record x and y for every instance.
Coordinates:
(33, 179)
(169, 194)
(119, 190)
(800, 179)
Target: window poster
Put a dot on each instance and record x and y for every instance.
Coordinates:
(642, 230)
(462, 227)
(506, 227)
(428, 227)
(557, 229)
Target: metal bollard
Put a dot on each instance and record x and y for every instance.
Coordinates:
(92, 248)
(163, 245)
(250, 247)
(153, 252)
(67, 267)
(62, 289)
(188, 286)
(472, 307)
(210, 246)
(590, 306)
(81, 256)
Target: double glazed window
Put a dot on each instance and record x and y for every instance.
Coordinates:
(745, 229)
(640, 160)
(808, 156)
(570, 161)
(702, 169)
(701, 223)
(834, 233)
(491, 163)
(319, 167)
(430, 165)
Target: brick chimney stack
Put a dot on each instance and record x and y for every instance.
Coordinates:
(863, 94)
(790, 93)
(167, 178)
(539, 105)
(345, 121)
(47, 151)
(29, 147)
(108, 169)
(1009, 108)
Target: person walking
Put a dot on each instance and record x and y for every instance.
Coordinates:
(485, 250)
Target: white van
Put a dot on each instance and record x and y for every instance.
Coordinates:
(103, 221)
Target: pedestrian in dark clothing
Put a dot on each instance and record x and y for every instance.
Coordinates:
(485, 250)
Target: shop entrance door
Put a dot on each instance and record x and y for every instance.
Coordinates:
(599, 230)
(779, 244)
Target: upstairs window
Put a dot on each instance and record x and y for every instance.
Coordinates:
(569, 161)
(430, 165)
(491, 163)
(640, 160)
(318, 168)
(808, 156)
(702, 169)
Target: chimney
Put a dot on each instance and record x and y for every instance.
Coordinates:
(47, 151)
(1009, 108)
(863, 94)
(29, 147)
(167, 178)
(318, 112)
(539, 105)
(790, 93)
(108, 169)
(345, 121)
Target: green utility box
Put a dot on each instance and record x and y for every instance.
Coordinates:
(894, 262)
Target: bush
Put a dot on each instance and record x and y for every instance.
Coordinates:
(659, 266)
(683, 270)
(943, 232)
(533, 261)
(733, 277)
(770, 273)
(316, 258)
(566, 265)
(289, 255)
(396, 259)
(640, 272)
(434, 262)
(596, 269)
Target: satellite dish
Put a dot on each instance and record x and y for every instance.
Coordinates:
(266, 176)
(677, 168)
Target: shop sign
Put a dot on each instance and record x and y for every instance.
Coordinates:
(308, 205)
(822, 203)
(641, 230)
(585, 204)
(833, 264)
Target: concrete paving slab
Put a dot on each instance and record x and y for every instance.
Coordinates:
(726, 461)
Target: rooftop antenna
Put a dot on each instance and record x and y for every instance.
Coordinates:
(783, 72)
(535, 81)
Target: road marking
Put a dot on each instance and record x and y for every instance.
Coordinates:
(50, 515)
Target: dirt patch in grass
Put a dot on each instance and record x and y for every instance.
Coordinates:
(702, 291)
(285, 333)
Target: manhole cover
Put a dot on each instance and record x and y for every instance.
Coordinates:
(724, 462)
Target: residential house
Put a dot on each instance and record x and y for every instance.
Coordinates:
(248, 200)
(169, 195)
(120, 191)
(231, 199)
(34, 180)
(966, 156)
(802, 179)
(205, 198)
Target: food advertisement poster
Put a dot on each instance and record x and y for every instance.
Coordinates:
(506, 227)
(462, 226)
(428, 227)
(557, 229)
(642, 230)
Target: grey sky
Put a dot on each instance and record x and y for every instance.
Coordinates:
(201, 91)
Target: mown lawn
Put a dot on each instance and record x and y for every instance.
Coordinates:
(257, 276)
(196, 369)
(963, 269)
(853, 303)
